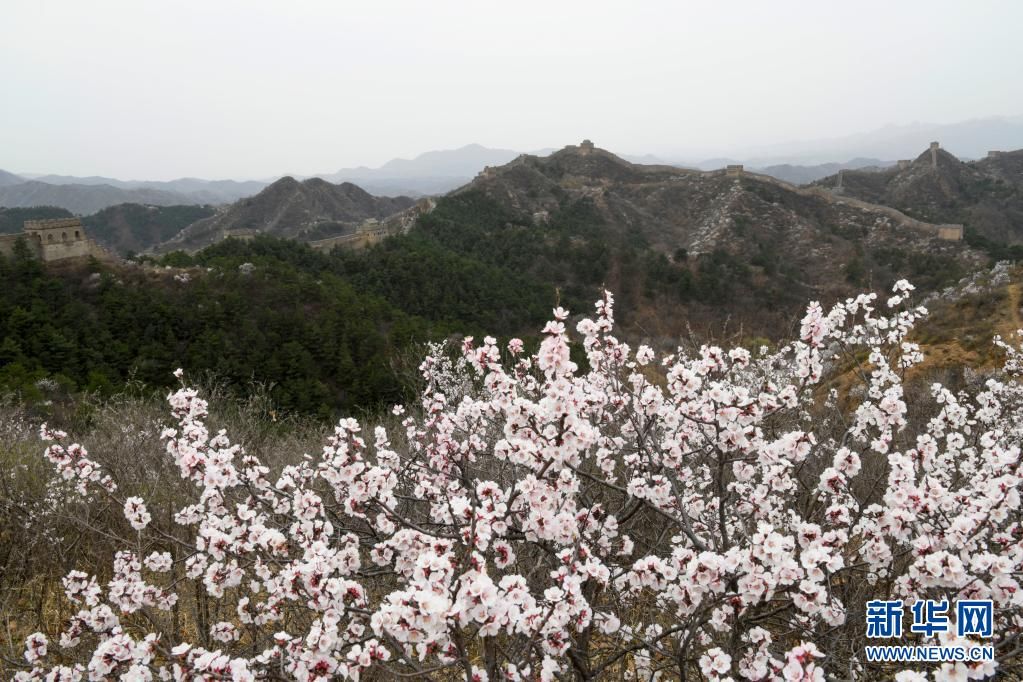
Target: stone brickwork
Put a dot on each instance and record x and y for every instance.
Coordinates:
(359, 239)
(934, 154)
(733, 170)
(373, 231)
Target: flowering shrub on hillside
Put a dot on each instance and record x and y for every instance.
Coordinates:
(723, 515)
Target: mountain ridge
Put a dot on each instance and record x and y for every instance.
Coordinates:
(984, 195)
(8, 179)
(308, 209)
(85, 199)
(591, 172)
(206, 191)
(676, 243)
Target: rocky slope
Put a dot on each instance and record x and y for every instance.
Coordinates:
(307, 210)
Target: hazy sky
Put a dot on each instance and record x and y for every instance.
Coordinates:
(162, 89)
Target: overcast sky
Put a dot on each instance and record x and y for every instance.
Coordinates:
(137, 89)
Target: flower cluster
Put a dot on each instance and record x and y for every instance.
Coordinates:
(712, 514)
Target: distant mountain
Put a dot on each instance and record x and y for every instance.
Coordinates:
(310, 209)
(7, 179)
(646, 159)
(966, 139)
(985, 195)
(467, 160)
(432, 172)
(194, 190)
(802, 175)
(85, 199)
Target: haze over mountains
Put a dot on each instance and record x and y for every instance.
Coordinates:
(438, 172)
(668, 207)
(433, 172)
(209, 191)
(8, 179)
(966, 139)
(84, 199)
(90, 194)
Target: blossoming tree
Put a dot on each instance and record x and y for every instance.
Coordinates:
(723, 514)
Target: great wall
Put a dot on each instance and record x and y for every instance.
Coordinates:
(53, 240)
(373, 231)
(948, 232)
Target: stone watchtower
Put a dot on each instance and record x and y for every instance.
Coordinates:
(733, 170)
(585, 147)
(54, 240)
(934, 154)
(58, 238)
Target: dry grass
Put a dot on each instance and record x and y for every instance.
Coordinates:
(955, 335)
(45, 532)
